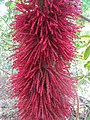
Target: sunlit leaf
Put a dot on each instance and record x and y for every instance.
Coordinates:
(12, 5)
(85, 37)
(80, 77)
(87, 65)
(87, 53)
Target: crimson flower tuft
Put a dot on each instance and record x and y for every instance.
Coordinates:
(44, 31)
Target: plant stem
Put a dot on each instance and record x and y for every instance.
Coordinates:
(84, 18)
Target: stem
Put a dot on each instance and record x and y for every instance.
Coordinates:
(41, 5)
(84, 18)
(77, 110)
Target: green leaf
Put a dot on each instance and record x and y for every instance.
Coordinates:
(12, 5)
(80, 77)
(89, 76)
(87, 65)
(85, 37)
(87, 53)
(7, 4)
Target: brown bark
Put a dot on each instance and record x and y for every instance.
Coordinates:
(41, 4)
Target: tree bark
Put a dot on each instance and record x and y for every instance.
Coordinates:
(41, 4)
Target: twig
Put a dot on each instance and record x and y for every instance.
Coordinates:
(5, 22)
(5, 71)
(84, 18)
(41, 5)
(81, 16)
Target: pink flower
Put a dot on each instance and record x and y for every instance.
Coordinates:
(45, 48)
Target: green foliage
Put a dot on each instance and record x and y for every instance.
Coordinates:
(6, 35)
(83, 44)
(87, 65)
(86, 8)
(10, 4)
(87, 53)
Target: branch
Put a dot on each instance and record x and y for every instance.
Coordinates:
(84, 18)
(5, 71)
(5, 22)
(41, 5)
(81, 16)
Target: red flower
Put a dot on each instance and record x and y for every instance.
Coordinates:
(44, 32)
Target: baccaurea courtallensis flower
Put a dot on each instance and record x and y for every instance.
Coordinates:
(44, 31)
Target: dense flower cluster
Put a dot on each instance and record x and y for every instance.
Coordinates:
(44, 31)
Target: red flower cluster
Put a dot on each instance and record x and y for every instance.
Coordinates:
(44, 31)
